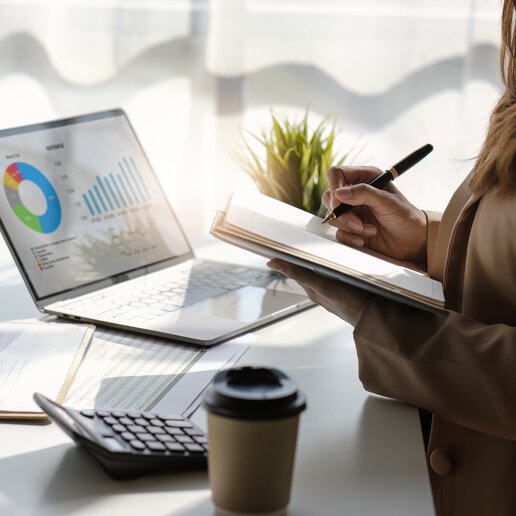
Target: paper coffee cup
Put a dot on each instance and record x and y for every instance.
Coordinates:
(253, 416)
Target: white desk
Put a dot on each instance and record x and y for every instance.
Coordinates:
(357, 454)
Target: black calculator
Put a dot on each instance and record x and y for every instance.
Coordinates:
(130, 443)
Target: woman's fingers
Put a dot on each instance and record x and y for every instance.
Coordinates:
(349, 226)
(350, 222)
(363, 194)
(339, 177)
(298, 274)
(342, 300)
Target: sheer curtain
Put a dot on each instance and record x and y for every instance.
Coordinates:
(395, 74)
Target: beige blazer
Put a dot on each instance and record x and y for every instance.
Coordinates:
(460, 367)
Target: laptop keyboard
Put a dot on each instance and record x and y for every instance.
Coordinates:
(163, 292)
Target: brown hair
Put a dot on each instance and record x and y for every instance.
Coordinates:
(496, 164)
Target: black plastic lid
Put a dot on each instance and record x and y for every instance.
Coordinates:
(253, 393)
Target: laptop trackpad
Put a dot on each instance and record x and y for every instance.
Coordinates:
(226, 313)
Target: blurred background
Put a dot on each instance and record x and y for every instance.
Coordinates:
(395, 74)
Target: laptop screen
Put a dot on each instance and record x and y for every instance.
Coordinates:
(80, 203)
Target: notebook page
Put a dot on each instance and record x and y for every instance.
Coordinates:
(297, 230)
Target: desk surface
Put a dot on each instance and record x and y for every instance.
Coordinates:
(357, 454)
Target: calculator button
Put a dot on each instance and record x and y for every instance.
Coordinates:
(145, 437)
(110, 420)
(155, 429)
(88, 412)
(119, 428)
(117, 413)
(165, 438)
(112, 444)
(133, 414)
(102, 413)
(194, 448)
(148, 415)
(135, 428)
(193, 431)
(156, 422)
(200, 439)
(178, 424)
(155, 446)
(125, 421)
(184, 439)
(166, 417)
(173, 431)
(137, 445)
(177, 447)
(140, 421)
(128, 436)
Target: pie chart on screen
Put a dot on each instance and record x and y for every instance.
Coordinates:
(14, 176)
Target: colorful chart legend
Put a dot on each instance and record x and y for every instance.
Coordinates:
(39, 263)
(14, 176)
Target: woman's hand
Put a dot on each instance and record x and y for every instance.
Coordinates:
(338, 298)
(383, 220)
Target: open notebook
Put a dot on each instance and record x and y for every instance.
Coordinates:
(273, 229)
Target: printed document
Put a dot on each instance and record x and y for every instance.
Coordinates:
(127, 371)
(37, 357)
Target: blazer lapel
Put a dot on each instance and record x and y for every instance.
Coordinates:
(453, 277)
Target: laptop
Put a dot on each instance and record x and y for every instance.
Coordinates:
(96, 240)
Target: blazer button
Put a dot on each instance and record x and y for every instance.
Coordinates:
(441, 463)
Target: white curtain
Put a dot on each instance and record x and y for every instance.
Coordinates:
(395, 74)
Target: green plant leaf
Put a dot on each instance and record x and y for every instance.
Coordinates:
(294, 161)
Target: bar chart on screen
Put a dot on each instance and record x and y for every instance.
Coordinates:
(117, 189)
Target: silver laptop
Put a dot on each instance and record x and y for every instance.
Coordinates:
(96, 240)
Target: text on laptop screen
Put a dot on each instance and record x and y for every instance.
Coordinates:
(80, 202)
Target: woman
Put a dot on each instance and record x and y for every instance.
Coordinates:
(461, 366)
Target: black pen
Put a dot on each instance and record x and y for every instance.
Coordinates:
(384, 179)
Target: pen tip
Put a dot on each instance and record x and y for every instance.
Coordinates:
(329, 216)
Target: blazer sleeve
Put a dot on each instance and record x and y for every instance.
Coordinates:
(450, 365)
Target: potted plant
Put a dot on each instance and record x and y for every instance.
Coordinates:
(292, 167)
